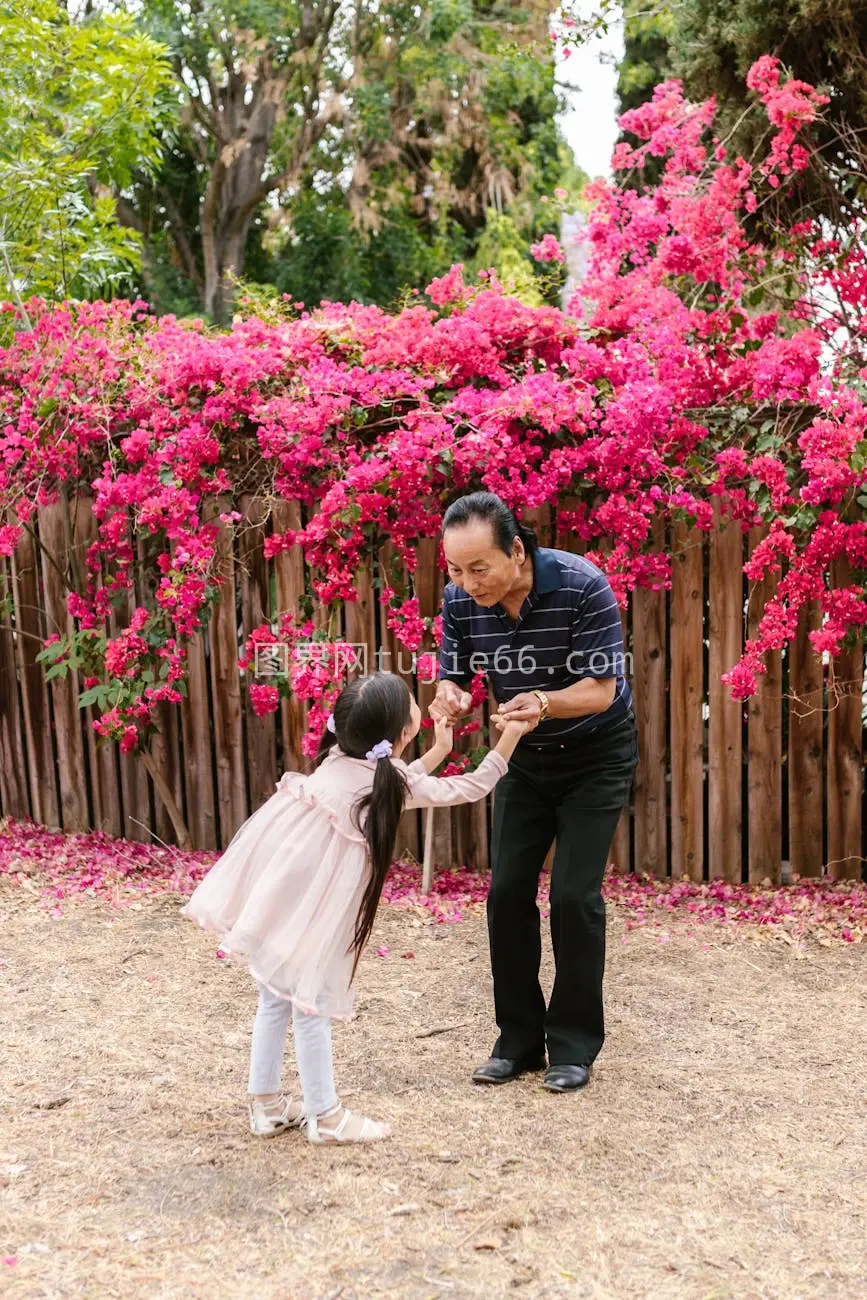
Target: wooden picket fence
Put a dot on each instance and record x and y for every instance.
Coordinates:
(723, 790)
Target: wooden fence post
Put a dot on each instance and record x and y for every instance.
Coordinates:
(53, 534)
(101, 756)
(135, 793)
(427, 581)
(13, 767)
(41, 765)
(261, 732)
(686, 694)
(228, 730)
(288, 590)
(764, 746)
(725, 746)
(805, 717)
(649, 647)
(845, 768)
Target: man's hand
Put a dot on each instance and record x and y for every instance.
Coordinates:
(450, 702)
(522, 708)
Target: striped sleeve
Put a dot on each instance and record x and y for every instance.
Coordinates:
(597, 634)
(454, 652)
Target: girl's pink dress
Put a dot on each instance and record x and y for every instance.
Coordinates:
(285, 894)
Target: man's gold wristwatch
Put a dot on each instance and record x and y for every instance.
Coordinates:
(544, 702)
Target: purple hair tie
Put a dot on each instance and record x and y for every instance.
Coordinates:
(382, 749)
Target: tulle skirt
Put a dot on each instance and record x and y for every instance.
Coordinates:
(284, 898)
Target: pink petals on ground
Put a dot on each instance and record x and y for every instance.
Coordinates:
(64, 867)
(823, 910)
(61, 868)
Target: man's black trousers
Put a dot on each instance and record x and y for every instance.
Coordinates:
(575, 795)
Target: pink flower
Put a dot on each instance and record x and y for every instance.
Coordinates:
(547, 250)
(764, 75)
(448, 288)
(9, 538)
(427, 667)
(265, 699)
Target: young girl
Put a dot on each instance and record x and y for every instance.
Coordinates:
(297, 890)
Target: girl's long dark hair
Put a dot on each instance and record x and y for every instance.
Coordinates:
(368, 710)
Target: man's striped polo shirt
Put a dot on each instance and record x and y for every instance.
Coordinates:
(569, 628)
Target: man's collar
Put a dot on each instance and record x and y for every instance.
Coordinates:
(546, 572)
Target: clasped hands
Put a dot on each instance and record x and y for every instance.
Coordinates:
(451, 702)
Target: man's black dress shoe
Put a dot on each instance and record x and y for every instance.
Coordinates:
(566, 1078)
(500, 1069)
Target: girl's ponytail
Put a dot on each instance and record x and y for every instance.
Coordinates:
(383, 806)
(370, 714)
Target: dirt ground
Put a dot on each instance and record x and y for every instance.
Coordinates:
(720, 1151)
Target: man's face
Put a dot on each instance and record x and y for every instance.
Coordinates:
(477, 565)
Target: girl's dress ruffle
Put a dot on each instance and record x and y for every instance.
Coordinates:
(243, 959)
(284, 897)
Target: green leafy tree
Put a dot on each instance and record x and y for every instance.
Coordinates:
(261, 82)
(711, 44)
(451, 143)
(345, 149)
(80, 108)
(648, 33)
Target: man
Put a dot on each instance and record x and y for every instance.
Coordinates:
(546, 628)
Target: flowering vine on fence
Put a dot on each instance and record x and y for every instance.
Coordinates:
(659, 394)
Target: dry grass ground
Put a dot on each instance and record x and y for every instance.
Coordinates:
(719, 1152)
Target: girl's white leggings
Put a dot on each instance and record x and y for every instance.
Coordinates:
(312, 1052)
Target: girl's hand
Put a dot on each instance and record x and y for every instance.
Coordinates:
(443, 734)
(511, 730)
(511, 726)
(515, 727)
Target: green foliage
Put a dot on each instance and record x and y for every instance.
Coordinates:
(80, 105)
(648, 31)
(711, 44)
(325, 255)
(332, 153)
(448, 119)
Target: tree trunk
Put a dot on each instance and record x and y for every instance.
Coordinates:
(234, 191)
(226, 260)
(236, 99)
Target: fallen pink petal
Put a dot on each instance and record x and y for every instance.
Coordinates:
(123, 872)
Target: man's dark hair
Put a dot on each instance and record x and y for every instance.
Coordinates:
(503, 520)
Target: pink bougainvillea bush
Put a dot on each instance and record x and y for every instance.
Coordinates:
(663, 394)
